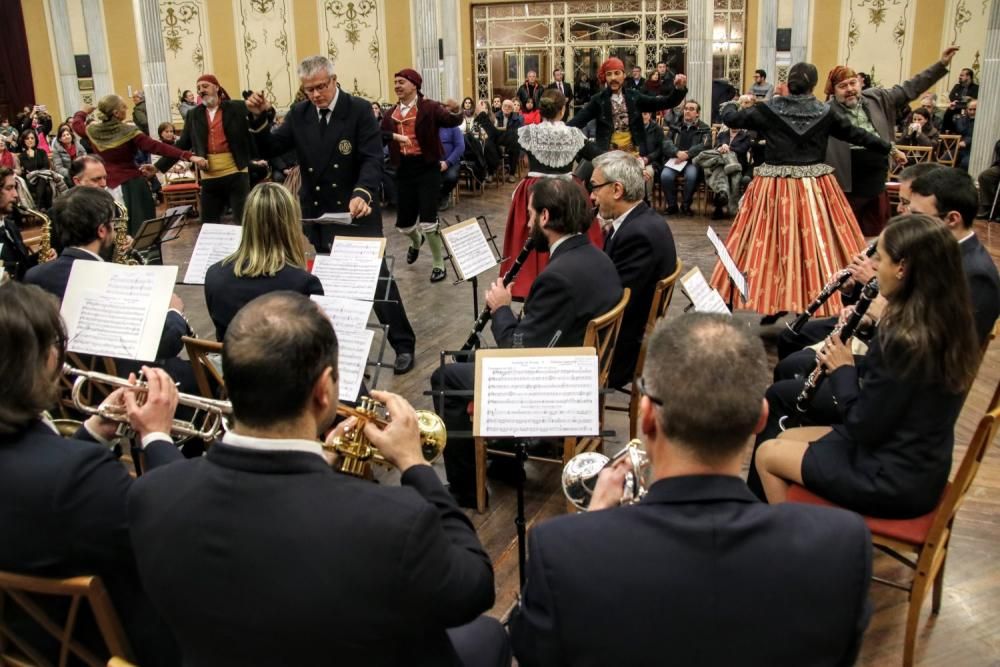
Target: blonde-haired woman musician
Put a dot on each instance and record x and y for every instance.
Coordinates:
(270, 257)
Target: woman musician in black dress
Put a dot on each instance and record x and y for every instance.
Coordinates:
(890, 453)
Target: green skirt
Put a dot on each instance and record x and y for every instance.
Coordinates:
(139, 200)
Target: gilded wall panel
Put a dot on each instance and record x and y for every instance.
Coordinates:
(353, 36)
(965, 26)
(876, 37)
(265, 46)
(187, 46)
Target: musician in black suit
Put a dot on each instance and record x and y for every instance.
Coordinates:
(578, 284)
(698, 572)
(889, 453)
(283, 549)
(15, 257)
(218, 129)
(270, 257)
(83, 216)
(638, 241)
(339, 147)
(62, 500)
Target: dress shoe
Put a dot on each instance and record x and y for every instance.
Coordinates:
(444, 204)
(437, 275)
(403, 363)
(412, 253)
(686, 210)
(672, 210)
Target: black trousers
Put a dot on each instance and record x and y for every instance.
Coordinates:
(460, 454)
(813, 332)
(481, 643)
(449, 179)
(217, 192)
(418, 189)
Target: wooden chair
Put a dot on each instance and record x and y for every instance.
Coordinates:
(662, 296)
(914, 154)
(182, 192)
(602, 335)
(17, 590)
(207, 375)
(947, 149)
(118, 662)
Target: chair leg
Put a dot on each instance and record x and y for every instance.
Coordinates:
(480, 475)
(939, 585)
(918, 592)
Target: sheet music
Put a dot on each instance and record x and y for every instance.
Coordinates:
(115, 310)
(739, 280)
(704, 298)
(353, 348)
(352, 268)
(521, 393)
(675, 164)
(338, 218)
(346, 314)
(215, 243)
(468, 247)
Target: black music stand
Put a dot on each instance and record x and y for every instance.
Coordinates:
(474, 280)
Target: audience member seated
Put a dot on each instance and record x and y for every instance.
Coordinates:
(920, 131)
(684, 141)
(270, 258)
(453, 141)
(698, 572)
(282, 549)
(30, 156)
(186, 102)
(988, 181)
(963, 92)
(65, 149)
(639, 242)
(890, 448)
(63, 500)
(761, 90)
(8, 159)
(964, 126)
(182, 168)
(578, 284)
(504, 134)
(652, 152)
(530, 112)
(583, 90)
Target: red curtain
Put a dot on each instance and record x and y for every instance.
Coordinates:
(15, 65)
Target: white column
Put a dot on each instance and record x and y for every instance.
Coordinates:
(97, 42)
(767, 38)
(152, 61)
(988, 108)
(452, 84)
(425, 37)
(800, 30)
(699, 54)
(65, 64)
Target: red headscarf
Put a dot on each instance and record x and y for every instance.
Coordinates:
(836, 75)
(609, 65)
(210, 78)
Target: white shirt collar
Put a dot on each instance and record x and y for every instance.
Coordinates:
(333, 103)
(272, 445)
(552, 248)
(92, 254)
(617, 222)
(405, 109)
(967, 237)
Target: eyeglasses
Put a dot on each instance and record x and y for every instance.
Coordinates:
(598, 186)
(641, 386)
(318, 88)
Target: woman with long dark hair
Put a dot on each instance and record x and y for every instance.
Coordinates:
(891, 452)
(65, 149)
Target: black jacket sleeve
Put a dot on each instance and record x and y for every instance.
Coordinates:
(534, 633)
(547, 310)
(170, 340)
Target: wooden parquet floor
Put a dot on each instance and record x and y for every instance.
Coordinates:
(967, 630)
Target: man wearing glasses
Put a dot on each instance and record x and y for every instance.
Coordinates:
(698, 570)
(339, 149)
(578, 284)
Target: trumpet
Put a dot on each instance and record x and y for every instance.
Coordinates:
(579, 476)
(355, 453)
(45, 236)
(215, 410)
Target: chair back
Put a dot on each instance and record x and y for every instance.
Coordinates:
(662, 297)
(914, 154)
(602, 335)
(207, 375)
(947, 149)
(17, 590)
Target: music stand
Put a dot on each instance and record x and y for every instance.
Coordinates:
(474, 280)
(737, 279)
(379, 364)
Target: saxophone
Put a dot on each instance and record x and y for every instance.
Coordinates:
(123, 252)
(45, 238)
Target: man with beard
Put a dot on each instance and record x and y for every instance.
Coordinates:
(15, 257)
(578, 284)
(618, 111)
(219, 129)
(862, 172)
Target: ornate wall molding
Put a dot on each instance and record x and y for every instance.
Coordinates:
(877, 38)
(186, 46)
(965, 25)
(353, 36)
(265, 46)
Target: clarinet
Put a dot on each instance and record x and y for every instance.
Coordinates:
(473, 340)
(835, 284)
(846, 331)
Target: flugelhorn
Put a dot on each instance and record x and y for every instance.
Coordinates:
(579, 476)
(355, 453)
(45, 237)
(215, 410)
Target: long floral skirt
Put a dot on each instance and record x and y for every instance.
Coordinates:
(790, 237)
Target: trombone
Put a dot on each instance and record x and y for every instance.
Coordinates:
(355, 453)
(215, 410)
(579, 476)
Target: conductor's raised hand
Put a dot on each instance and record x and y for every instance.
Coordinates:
(399, 440)
(156, 414)
(358, 207)
(498, 296)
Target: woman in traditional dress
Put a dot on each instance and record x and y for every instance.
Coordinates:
(795, 228)
(552, 147)
(118, 144)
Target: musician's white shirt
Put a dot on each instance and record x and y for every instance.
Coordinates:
(552, 248)
(966, 238)
(617, 222)
(272, 444)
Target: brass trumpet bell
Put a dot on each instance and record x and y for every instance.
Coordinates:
(354, 451)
